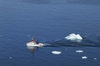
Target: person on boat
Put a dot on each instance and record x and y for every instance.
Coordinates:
(33, 40)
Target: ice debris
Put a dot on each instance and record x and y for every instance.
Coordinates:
(56, 52)
(84, 57)
(79, 51)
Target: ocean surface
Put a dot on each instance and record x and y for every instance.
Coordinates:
(49, 21)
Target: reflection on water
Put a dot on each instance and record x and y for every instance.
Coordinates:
(32, 49)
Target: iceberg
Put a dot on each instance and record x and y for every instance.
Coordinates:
(74, 37)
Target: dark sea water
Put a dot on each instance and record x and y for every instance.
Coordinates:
(48, 21)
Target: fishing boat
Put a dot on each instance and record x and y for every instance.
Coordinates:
(32, 43)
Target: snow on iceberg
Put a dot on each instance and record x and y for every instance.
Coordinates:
(74, 37)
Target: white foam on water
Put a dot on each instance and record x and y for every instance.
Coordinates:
(74, 37)
(56, 52)
(31, 44)
(79, 51)
(84, 57)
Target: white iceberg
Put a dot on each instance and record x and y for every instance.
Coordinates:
(56, 52)
(74, 37)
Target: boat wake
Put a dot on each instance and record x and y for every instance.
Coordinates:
(72, 40)
(75, 40)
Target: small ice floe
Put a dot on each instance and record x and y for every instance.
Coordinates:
(84, 57)
(74, 37)
(95, 58)
(79, 51)
(10, 57)
(56, 52)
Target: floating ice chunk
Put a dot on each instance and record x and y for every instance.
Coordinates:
(74, 37)
(84, 57)
(95, 58)
(79, 51)
(56, 52)
(10, 57)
